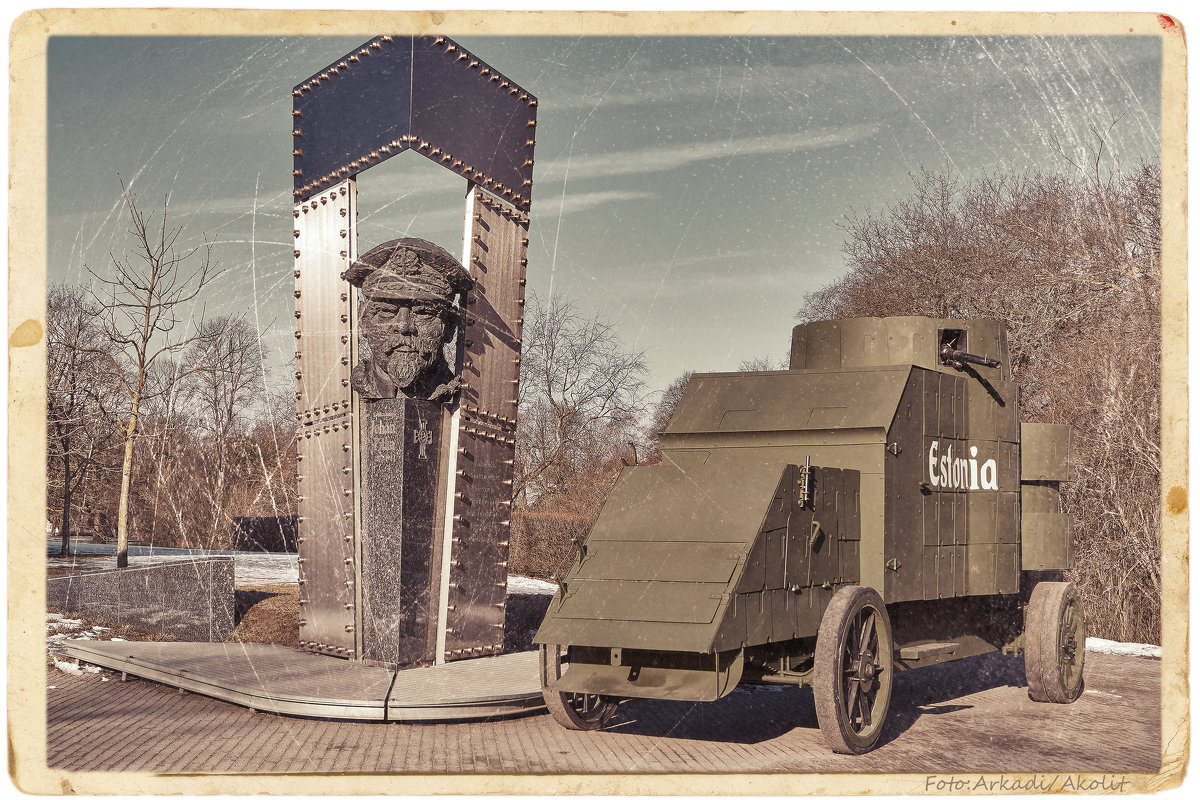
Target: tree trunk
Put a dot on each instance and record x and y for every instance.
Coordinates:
(66, 499)
(126, 474)
(218, 502)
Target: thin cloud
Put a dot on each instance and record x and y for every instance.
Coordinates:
(575, 203)
(675, 156)
(643, 84)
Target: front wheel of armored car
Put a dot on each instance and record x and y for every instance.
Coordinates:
(852, 670)
(1055, 641)
(573, 710)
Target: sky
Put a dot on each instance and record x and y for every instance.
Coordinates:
(687, 190)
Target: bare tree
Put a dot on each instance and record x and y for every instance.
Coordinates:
(143, 310)
(79, 398)
(661, 415)
(170, 509)
(273, 488)
(763, 364)
(581, 400)
(222, 392)
(578, 388)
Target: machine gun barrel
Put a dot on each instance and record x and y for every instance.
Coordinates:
(956, 358)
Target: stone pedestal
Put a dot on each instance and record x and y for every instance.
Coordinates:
(402, 482)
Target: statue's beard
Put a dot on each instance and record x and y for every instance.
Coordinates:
(405, 365)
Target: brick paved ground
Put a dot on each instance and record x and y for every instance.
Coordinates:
(971, 716)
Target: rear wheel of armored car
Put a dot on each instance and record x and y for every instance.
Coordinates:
(852, 670)
(574, 710)
(1054, 643)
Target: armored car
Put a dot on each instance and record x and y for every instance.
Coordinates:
(879, 506)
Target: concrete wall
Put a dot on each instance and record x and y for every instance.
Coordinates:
(191, 601)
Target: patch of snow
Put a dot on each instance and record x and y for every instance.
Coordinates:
(116, 639)
(67, 667)
(59, 631)
(256, 569)
(1123, 648)
(249, 569)
(519, 584)
(1106, 694)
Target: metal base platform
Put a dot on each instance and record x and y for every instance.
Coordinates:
(285, 681)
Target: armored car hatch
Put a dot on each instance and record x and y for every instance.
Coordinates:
(882, 492)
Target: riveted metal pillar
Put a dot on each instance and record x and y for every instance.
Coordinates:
(328, 548)
(475, 572)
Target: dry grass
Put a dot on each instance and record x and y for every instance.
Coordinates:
(270, 614)
(79, 564)
(267, 615)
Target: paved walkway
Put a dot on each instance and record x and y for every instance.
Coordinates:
(971, 716)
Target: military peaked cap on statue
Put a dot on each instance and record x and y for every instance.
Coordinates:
(409, 269)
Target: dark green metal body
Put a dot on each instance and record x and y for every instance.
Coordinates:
(716, 565)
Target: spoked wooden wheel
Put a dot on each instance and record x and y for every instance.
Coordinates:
(852, 671)
(1055, 640)
(574, 710)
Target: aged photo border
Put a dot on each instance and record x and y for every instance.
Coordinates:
(26, 411)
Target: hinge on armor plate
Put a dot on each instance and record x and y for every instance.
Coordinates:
(805, 484)
(580, 548)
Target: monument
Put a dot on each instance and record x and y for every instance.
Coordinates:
(407, 367)
(406, 451)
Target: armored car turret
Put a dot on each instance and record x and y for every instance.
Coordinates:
(878, 506)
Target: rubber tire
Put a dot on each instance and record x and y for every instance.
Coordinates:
(1049, 637)
(563, 707)
(828, 691)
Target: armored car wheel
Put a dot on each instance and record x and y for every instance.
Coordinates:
(852, 670)
(573, 710)
(1054, 643)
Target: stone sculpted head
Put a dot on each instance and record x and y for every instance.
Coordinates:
(408, 287)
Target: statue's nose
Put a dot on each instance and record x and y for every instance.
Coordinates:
(404, 320)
